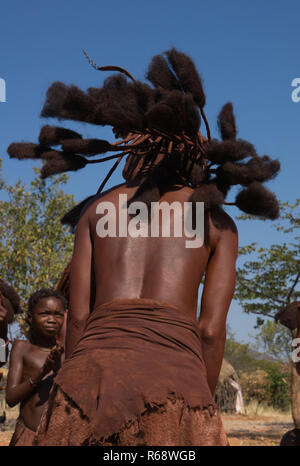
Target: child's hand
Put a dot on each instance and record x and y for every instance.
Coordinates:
(47, 366)
(56, 356)
(53, 361)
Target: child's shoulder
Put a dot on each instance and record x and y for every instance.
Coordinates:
(19, 341)
(19, 344)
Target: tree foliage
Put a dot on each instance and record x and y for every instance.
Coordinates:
(269, 385)
(266, 284)
(274, 338)
(238, 354)
(270, 281)
(34, 246)
(277, 387)
(253, 386)
(245, 359)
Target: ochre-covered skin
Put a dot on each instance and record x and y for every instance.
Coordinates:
(143, 278)
(162, 269)
(168, 161)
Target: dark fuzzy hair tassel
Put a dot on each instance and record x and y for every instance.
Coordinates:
(229, 150)
(86, 146)
(58, 162)
(226, 122)
(52, 135)
(209, 194)
(160, 74)
(68, 102)
(25, 150)
(257, 200)
(187, 74)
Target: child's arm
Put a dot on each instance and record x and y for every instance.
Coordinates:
(17, 391)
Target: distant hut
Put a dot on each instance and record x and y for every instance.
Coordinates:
(228, 394)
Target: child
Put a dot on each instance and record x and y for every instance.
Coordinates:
(35, 362)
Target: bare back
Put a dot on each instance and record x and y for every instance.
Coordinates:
(160, 268)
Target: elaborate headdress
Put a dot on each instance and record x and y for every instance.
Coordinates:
(161, 119)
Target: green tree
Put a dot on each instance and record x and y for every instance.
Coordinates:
(277, 387)
(269, 282)
(263, 379)
(254, 387)
(34, 246)
(275, 339)
(239, 354)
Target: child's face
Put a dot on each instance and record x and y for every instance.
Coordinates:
(47, 317)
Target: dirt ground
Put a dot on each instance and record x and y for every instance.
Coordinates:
(6, 430)
(242, 430)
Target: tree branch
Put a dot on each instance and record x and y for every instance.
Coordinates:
(260, 314)
(260, 293)
(293, 287)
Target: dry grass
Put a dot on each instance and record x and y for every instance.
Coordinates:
(262, 410)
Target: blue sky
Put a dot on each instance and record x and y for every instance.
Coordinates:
(247, 53)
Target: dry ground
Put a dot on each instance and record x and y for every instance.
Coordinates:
(7, 429)
(242, 430)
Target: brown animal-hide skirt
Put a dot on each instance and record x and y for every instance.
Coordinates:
(136, 377)
(22, 436)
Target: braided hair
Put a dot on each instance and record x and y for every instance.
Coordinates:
(163, 117)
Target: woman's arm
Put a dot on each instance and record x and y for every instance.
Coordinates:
(80, 284)
(216, 298)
